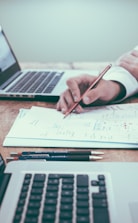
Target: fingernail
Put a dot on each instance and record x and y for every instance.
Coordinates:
(86, 100)
(63, 110)
(75, 98)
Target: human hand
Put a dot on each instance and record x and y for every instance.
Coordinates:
(103, 93)
(129, 61)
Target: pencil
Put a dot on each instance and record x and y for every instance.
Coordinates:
(90, 87)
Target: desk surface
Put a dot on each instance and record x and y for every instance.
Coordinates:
(10, 108)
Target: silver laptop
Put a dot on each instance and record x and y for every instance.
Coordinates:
(70, 192)
(31, 84)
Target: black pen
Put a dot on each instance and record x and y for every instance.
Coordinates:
(57, 158)
(57, 153)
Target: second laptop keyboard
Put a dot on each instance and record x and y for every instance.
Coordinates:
(63, 198)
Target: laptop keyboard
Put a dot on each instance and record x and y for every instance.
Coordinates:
(63, 198)
(36, 82)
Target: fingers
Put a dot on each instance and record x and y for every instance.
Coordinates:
(103, 93)
(134, 53)
(92, 96)
(79, 85)
(66, 101)
(128, 60)
(130, 63)
(62, 104)
(73, 85)
(76, 87)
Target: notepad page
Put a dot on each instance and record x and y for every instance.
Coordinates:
(110, 124)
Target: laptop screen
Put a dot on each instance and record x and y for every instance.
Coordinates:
(8, 61)
(6, 57)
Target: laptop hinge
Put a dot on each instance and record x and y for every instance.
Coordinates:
(10, 80)
(4, 180)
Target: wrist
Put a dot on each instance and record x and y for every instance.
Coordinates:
(120, 90)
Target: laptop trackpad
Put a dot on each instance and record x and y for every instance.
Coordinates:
(134, 211)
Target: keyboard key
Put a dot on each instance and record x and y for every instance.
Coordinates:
(31, 220)
(66, 207)
(52, 194)
(49, 208)
(99, 195)
(37, 190)
(82, 204)
(82, 197)
(101, 215)
(51, 201)
(66, 215)
(66, 200)
(82, 190)
(83, 219)
(32, 212)
(82, 211)
(67, 180)
(82, 180)
(34, 205)
(101, 177)
(67, 187)
(35, 197)
(52, 188)
(48, 218)
(100, 203)
(67, 193)
(39, 177)
(102, 189)
(38, 185)
(53, 181)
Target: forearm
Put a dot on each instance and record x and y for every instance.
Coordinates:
(128, 84)
(129, 61)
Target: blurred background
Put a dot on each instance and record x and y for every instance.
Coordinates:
(70, 30)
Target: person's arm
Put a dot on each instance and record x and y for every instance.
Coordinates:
(126, 79)
(117, 85)
(129, 61)
(105, 92)
(120, 82)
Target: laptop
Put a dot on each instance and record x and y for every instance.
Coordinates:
(30, 84)
(70, 192)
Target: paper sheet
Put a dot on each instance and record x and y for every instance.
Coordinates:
(105, 126)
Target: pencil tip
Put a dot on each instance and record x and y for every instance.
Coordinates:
(65, 115)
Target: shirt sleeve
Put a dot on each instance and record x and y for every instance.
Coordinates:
(122, 76)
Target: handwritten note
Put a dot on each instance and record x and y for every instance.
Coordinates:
(107, 124)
